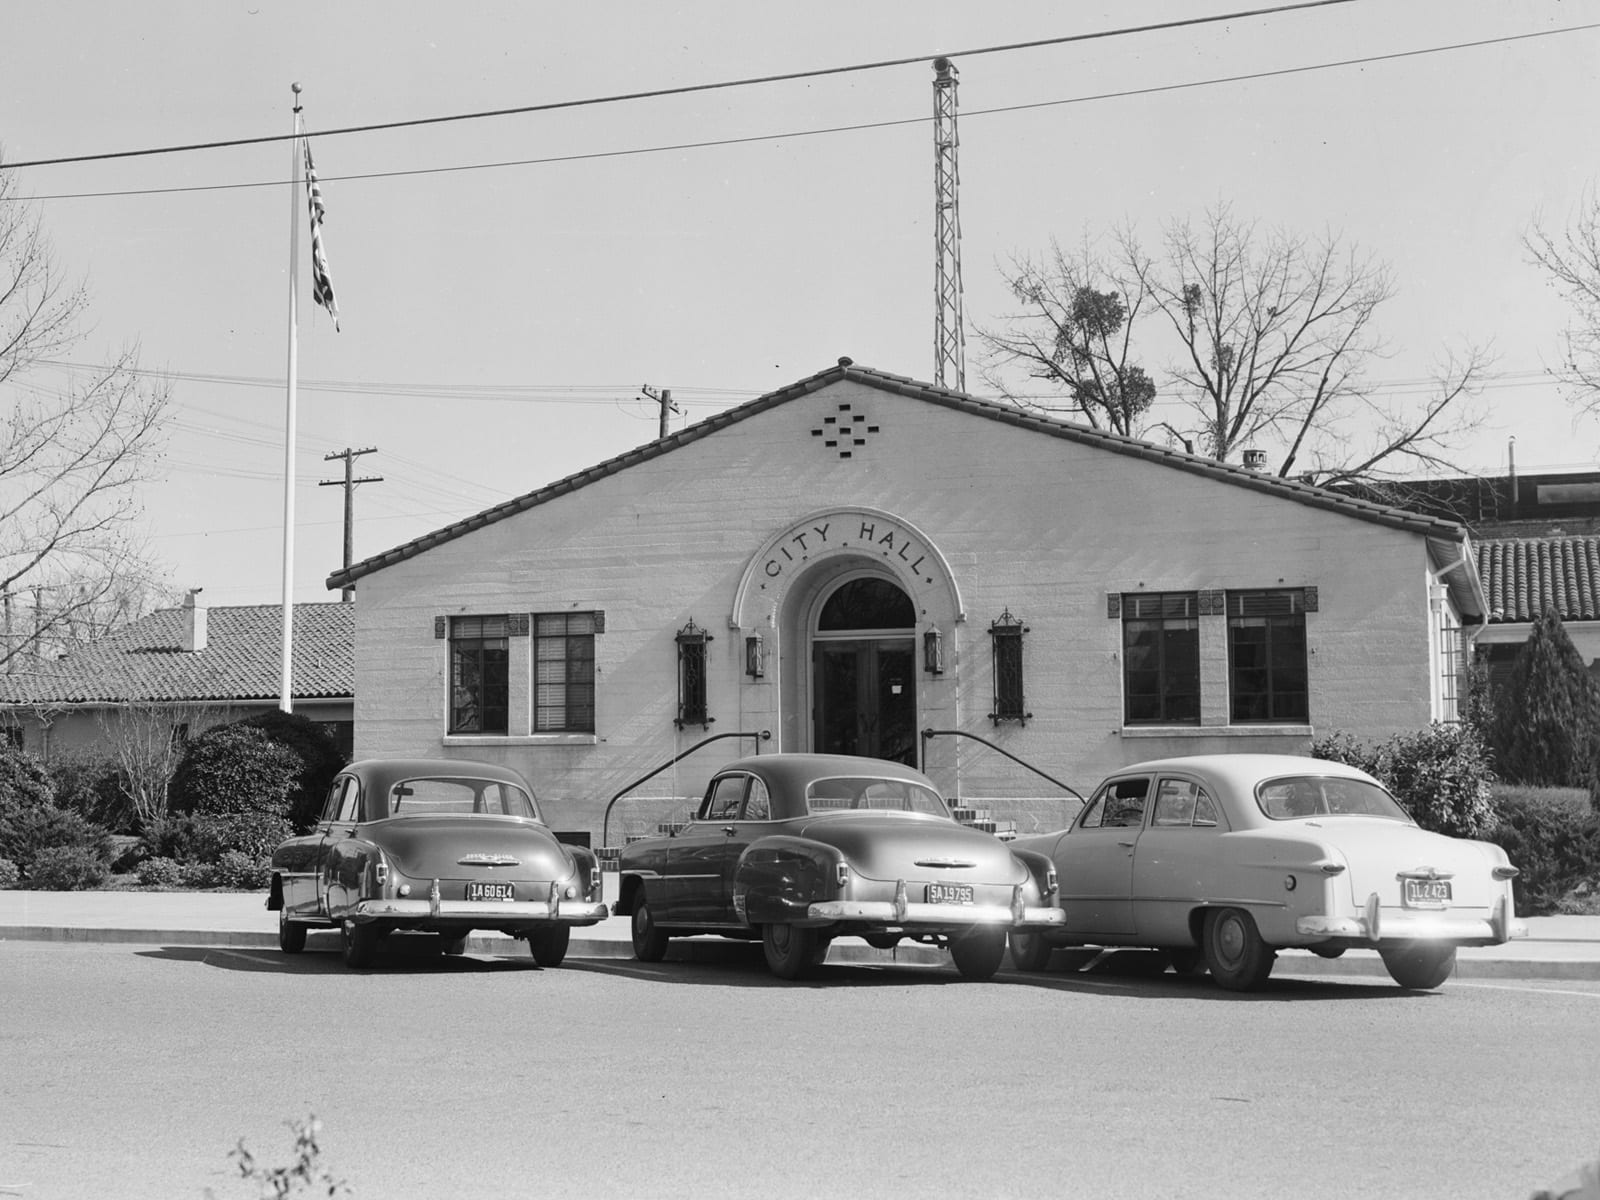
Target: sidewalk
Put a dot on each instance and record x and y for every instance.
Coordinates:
(1556, 948)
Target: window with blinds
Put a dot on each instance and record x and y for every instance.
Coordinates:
(563, 671)
(1267, 670)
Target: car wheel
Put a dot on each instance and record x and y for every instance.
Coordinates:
(1029, 951)
(1418, 965)
(360, 943)
(1235, 954)
(291, 934)
(452, 943)
(549, 946)
(978, 952)
(1186, 960)
(649, 943)
(789, 950)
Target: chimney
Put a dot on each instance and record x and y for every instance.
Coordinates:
(194, 622)
(1255, 460)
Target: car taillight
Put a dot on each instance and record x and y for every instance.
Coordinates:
(1505, 872)
(841, 874)
(380, 872)
(595, 882)
(1052, 882)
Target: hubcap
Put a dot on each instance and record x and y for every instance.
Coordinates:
(1230, 939)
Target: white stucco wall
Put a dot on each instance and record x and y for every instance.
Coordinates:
(1027, 523)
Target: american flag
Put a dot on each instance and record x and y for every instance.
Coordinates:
(321, 284)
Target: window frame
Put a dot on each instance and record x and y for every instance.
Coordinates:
(1163, 622)
(1275, 627)
(578, 689)
(479, 631)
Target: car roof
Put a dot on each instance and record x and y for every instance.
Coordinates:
(1245, 770)
(795, 770)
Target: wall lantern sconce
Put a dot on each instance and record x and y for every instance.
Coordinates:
(755, 656)
(933, 652)
(692, 709)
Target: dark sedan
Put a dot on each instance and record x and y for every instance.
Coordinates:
(436, 847)
(798, 849)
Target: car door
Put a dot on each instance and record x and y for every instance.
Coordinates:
(1175, 863)
(341, 817)
(1095, 860)
(698, 867)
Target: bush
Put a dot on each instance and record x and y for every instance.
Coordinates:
(161, 872)
(256, 835)
(1441, 774)
(67, 869)
(90, 787)
(1546, 723)
(238, 871)
(319, 756)
(234, 769)
(33, 831)
(1553, 839)
(10, 876)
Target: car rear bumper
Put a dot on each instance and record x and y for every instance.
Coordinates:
(488, 912)
(1378, 924)
(902, 912)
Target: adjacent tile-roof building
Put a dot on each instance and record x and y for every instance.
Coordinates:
(1524, 576)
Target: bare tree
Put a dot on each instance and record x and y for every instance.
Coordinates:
(1273, 334)
(147, 742)
(73, 455)
(1074, 333)
(1570, 257)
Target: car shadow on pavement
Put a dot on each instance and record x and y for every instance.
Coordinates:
(393, 959)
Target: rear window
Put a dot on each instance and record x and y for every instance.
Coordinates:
(860, 792)
(460, 797)
(1293, 797)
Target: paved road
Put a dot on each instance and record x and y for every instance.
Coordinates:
(131, 1071)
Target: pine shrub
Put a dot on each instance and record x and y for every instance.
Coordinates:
(1546, 722)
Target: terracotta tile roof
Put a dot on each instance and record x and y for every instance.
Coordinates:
(1524, 576)
(242, 660)
(1299, 493)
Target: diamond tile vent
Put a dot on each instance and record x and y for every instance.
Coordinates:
(845, 431)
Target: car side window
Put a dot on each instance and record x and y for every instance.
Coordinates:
(1175, 802)
(724, 798)
(758, 804)
(342, 798)
(1205, 810)
(1119, 803)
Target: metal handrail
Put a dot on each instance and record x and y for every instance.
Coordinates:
(929, 734)
(764, 735)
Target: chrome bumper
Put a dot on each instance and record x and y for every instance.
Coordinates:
(901, 911)
(490, 912)
(1416, 924)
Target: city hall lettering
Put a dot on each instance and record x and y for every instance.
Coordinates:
(813, 539)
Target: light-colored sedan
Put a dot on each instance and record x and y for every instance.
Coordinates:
(1222, 860)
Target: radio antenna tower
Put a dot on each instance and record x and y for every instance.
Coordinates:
(949, 335)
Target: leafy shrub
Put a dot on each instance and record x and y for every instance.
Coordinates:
(1441, 774)
(10, 875)
(238, 871)
(67, 869)
(1553, 839)
(33, 831)
(256, 835)
(234, 769)
(319, 757)
(90, 788)
(161, 872)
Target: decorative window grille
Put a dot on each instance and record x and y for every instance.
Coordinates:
(1267, 665)
(563, 671)
(1006, 636)
(1161, 658)
(692, 641)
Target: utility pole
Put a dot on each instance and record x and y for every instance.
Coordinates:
(663, 398)
(949, 336)
(349, 484)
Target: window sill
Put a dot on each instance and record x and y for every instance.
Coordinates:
(522, 739)
(1227, 731)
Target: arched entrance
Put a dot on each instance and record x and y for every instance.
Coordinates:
(864, 678)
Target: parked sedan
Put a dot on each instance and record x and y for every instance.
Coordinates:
(798, 849)
(1223, 860)
(437, 847)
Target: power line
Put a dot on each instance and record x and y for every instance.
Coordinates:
(825, 131)
(688, 89)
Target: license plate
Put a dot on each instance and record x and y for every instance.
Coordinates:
(491, 891)
(949, 893)
(1425, 893)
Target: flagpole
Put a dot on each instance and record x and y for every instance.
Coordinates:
(286, 690)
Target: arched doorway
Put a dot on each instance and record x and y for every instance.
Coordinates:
(864, 680)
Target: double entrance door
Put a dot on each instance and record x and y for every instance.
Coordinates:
(865, 697)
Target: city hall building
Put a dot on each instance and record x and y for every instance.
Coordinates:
(859, 559)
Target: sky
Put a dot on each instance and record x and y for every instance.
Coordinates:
(509, 286)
